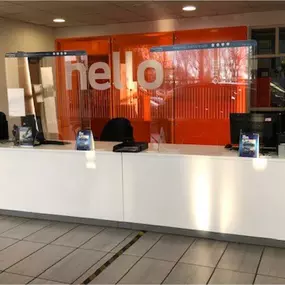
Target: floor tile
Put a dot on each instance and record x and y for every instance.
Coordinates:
(189, 274)
(260, 279)
(51, 233)
(107, 239)
(10, 222)
(73, 266)
(5, 242)
(170, 248)
(142, 246)
(78, 236)
(222, 276)
(148, 271)
(38, 262)
(93, 269)
(17, 252)
(42, 281)
(273, 262)
(124, 242)
(9, 278)
(25, 229)
(113, 273)
(204, 252)
(241, 257)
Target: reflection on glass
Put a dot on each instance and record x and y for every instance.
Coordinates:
(270, 83)
(265, 40)
(55, 101)
(282, 40)
(206, 85)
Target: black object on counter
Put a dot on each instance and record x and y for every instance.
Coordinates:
(130, 147)
(4, 135)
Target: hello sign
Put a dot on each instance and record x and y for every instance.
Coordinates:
(93, 76)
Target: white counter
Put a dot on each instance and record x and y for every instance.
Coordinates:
(58, 180)
(206, 191)
(189, 187)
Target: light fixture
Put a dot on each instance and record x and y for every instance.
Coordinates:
(58, 20)
(189, 8)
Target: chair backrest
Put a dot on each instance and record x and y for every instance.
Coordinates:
(117, 130)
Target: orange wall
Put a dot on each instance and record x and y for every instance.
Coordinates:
(178, 117)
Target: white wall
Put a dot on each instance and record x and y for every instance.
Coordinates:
(249, 19)
(18, 36)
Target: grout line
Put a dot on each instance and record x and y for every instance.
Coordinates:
(70, 230)
(260, 259)
(106, 253)
(16, 241)
(113, 258)
(132, 232)
(218, 263)
(140, 258)
(45, 245)
(14, 226)
(75, 248)
(171, 270)
(50, 243)
(48, 226)
(38, 276)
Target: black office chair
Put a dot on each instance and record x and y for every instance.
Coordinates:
(117, 130)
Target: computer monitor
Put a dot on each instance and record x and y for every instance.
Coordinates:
(267, 125)
(37, 130)
(238, 123)
(36, 125)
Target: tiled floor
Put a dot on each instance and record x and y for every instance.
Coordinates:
(42, 252)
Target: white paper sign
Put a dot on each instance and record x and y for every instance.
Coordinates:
(50, 112)
(47, 77)
(16, 102)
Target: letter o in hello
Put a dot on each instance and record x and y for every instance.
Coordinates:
(158, 74)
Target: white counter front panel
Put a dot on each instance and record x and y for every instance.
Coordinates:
(61, 182)
(218, 194)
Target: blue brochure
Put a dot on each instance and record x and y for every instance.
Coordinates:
(84, 140)
(249, 145)
(26, 136)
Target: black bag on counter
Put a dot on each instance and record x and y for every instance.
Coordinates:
(3, 127)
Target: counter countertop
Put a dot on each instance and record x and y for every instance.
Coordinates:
(162, 149)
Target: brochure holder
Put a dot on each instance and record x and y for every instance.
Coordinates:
(85, 141)
(249, 145)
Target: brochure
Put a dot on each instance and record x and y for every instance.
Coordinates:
(84, 140)
(249, 145)
(26, 136)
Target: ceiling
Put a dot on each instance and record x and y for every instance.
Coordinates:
(79, 13)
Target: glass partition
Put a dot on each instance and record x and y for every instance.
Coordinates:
(206, 83)
(48, 90)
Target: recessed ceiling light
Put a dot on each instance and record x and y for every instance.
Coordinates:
(189, 8)
(58, 20)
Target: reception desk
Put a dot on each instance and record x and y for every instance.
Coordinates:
(180, 186)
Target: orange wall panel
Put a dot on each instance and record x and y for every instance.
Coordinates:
(211, 35)
(192, 114)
